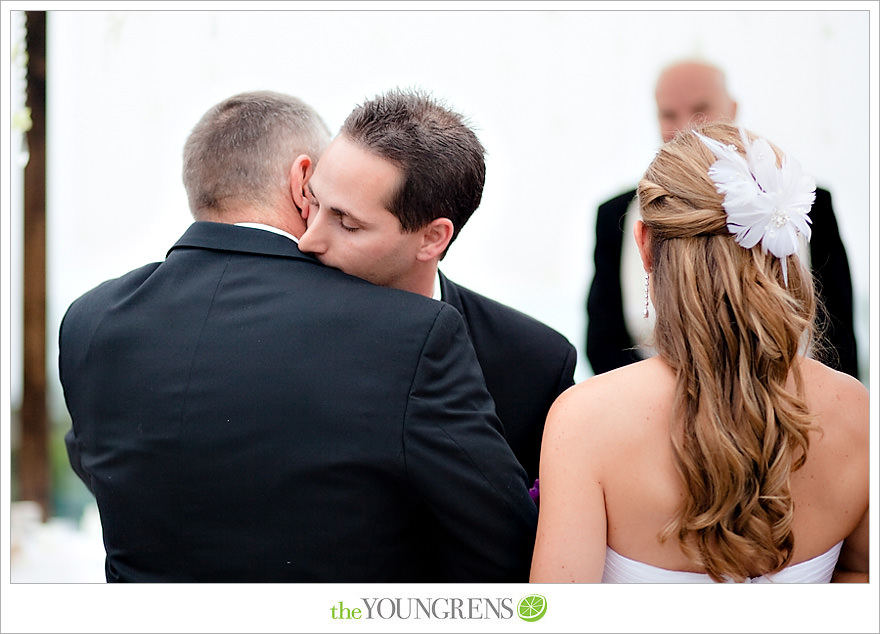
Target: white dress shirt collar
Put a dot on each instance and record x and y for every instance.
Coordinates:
(438, 291)
(259, 225)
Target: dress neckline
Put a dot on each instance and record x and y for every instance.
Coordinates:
(622, 569)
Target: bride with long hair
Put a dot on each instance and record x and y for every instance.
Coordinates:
(733, 454)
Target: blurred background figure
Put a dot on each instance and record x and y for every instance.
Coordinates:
(688, 93)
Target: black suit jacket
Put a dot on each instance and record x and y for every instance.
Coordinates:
(242, 413)
(526, 364)
(610, 346)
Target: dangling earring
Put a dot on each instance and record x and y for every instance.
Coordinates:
(646, 295)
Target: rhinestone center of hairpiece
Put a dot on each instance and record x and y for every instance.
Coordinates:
(779, 218)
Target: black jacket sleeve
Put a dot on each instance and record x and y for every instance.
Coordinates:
(459, 464)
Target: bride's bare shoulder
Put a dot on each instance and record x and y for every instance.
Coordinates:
(611, 397)
(823, 379)
(633, 378)
(836, 397)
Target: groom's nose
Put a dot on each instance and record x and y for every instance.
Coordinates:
(312, 241)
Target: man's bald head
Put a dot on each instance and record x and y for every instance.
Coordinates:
(689, 93)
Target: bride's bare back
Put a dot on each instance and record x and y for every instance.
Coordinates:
(608, 474)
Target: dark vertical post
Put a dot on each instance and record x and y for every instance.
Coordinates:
(34, 448)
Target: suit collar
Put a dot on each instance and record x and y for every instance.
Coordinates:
(452, 295)
(226, 237)
(449, 292)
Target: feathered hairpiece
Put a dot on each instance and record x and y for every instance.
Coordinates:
(764, 203)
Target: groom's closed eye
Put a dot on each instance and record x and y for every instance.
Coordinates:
(344, 220)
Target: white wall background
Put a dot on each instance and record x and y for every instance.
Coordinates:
(562, 99)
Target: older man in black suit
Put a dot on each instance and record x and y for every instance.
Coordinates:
(688, 92)
(388, 197)
(243, 413)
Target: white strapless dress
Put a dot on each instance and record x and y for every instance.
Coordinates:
(620, 569)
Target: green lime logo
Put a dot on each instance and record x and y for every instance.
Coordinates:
(532, 607)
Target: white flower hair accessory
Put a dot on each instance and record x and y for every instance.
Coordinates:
(764, 203)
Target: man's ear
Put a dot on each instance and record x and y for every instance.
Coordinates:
(640, 233)
(300, 173)
(435, 238)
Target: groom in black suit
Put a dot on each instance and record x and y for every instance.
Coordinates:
(389, 196)
(243, 413)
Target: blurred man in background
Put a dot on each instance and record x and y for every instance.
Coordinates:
(688, 93)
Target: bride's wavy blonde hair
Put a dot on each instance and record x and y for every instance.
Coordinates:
(731, 330)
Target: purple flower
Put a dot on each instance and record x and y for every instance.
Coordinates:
(535, 492)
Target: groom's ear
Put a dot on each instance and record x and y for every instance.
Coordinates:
(300, 173)
(435, 238)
